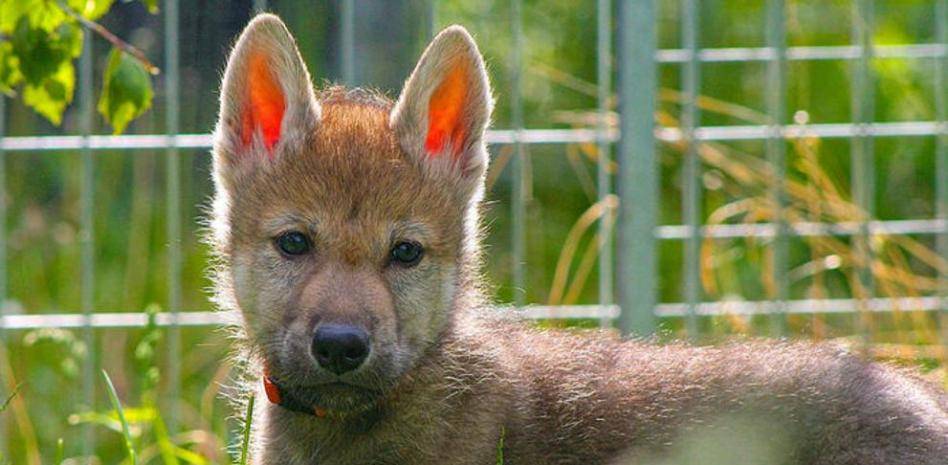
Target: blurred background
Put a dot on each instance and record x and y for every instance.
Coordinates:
(792, 183)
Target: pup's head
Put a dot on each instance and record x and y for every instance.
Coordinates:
(346, 223)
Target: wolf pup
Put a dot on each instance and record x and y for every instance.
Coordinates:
(347, 231)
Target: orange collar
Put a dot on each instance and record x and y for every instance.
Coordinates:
(279, 396)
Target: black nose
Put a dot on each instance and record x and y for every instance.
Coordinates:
(340, 348)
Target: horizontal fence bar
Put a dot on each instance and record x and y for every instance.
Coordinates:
(849, 228)
(799, 131)
(681, 309)
(119, 320)
(841, 52)
(103, 142)
(504, 137)
(113, 320)
(805, 306)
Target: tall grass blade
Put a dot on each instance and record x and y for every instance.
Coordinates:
(500, 446)
(60, 455)
(6, 403)
(117, 405)
(248, 422)
(166, 446)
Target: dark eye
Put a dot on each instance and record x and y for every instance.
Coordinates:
(407, 253)
(293, 243)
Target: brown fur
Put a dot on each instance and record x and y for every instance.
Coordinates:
(449, 381)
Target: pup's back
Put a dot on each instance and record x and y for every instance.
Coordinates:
(582, 399)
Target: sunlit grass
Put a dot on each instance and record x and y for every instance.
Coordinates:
(898, 265)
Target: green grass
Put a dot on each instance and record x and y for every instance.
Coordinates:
(6, 403)
(60, 452)
(117, 405)
(3, 408)
(169, 452)
(248, 422)
(500, 446)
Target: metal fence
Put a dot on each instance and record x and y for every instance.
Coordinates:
(635, 275)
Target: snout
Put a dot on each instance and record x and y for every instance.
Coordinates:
(340, 348)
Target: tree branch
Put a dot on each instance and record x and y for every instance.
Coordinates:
(112, 38)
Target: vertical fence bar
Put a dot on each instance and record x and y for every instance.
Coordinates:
(518, 210)
(431, 20)
(691, 198)
(862, 167)
(347, 41)
(604, 180)
(87, 235)
(173, 199)
(941, 163)
(776, 156)
(4, 449)
(638, 172)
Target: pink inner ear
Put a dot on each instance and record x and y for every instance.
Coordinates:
(266, 103)
(446, 111)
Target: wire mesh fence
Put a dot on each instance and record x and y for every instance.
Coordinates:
(628, 276)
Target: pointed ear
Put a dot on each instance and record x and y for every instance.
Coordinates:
(445, 106)
(267, 98)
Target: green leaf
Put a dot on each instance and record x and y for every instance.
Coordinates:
(42, 14)
(43, 59)
(53, 94)
(70, 39)
(152, 5)
(10, 74)
(113, 396)
(96, 418)
(165, 444)
(190, 457)
(41, 52)
(91, 9)
(10, 13)
(126, 90)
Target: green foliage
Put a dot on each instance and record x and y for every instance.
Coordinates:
(94, 9)
(39, 43)
(144, 425)
(126, 90)
(168, 451)
(70, 351)
(146, 352)
(248, 423)
(117, 405)
(10, 74)
(44, 57)
(109, 420)
(51, 96)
